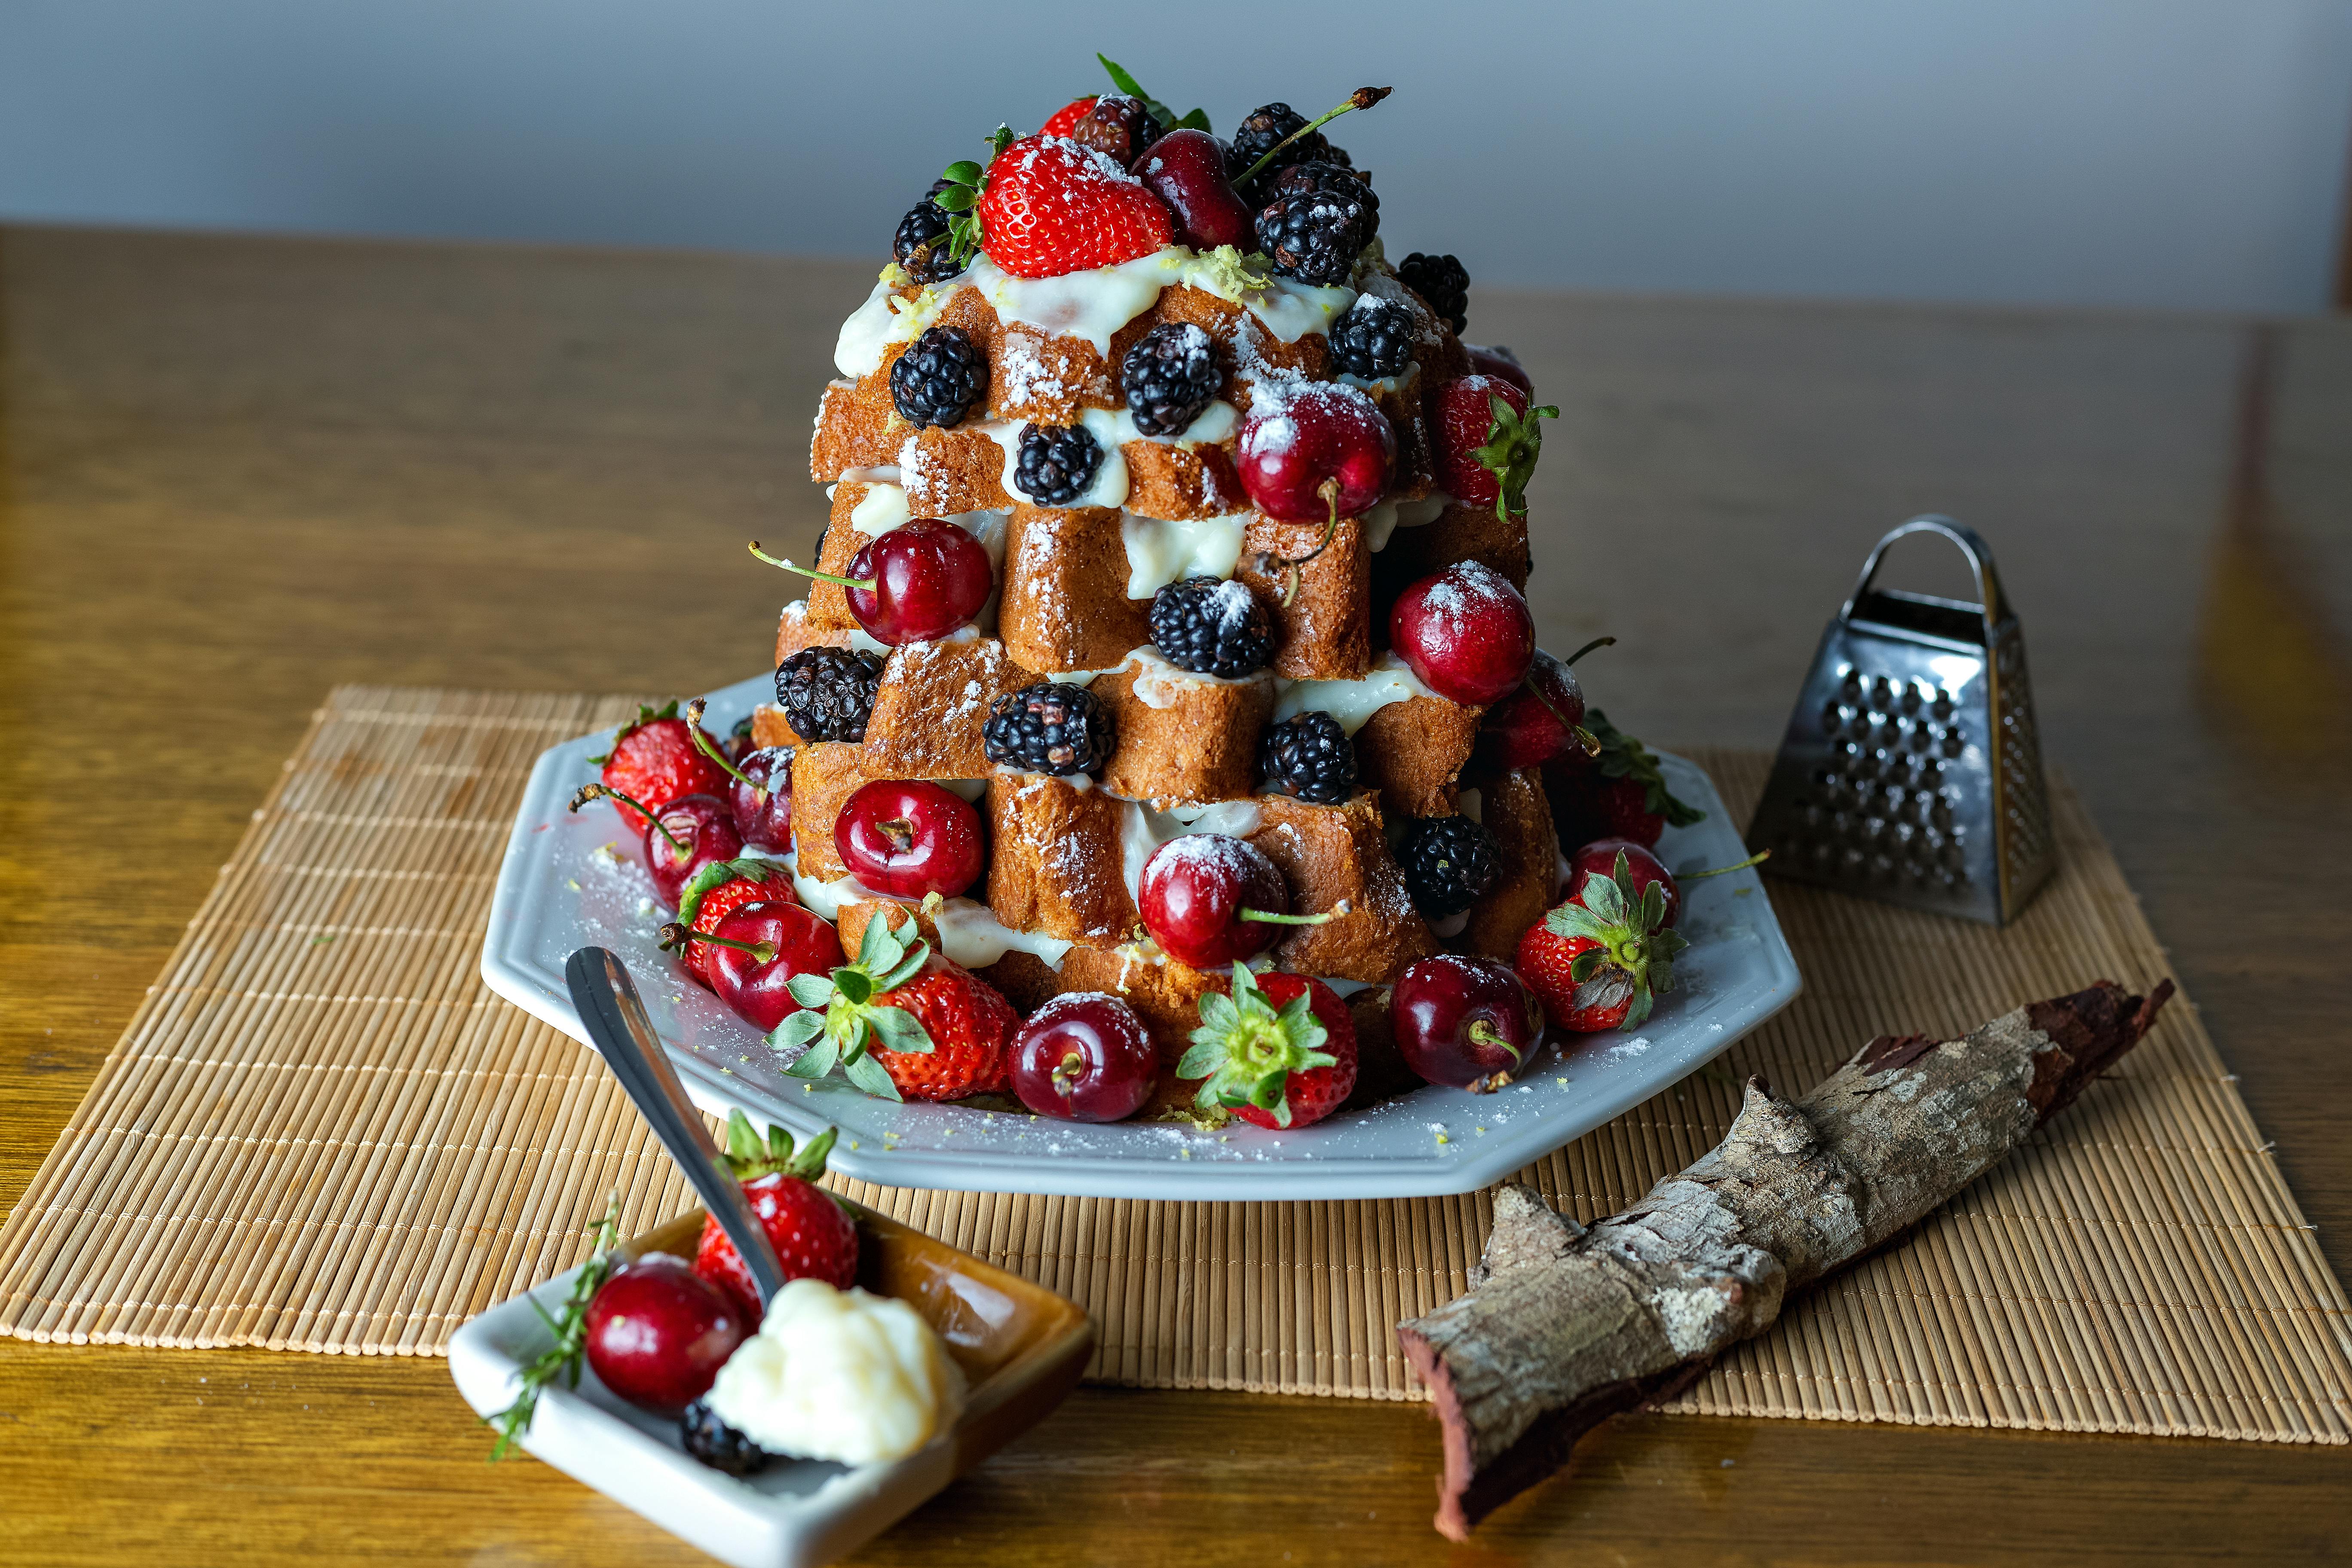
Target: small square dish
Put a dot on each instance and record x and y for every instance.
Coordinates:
(1021, 1347)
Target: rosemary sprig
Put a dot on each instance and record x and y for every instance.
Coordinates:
(563, 1359)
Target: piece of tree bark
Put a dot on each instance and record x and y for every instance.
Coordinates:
(1564, 1326)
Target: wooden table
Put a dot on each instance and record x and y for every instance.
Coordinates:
(234, 472)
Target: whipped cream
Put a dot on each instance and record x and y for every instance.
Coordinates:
(1162, 551)
(841, 1375)
(1352, 702)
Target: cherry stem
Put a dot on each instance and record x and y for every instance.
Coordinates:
(1330, 491)
(1587, 647)
(1267, 917)
(702, 744)
(1756, 860)
(1066, 1071)
(1362, 98)
(676, 935)
(867, 584)
(607, 792)
(899, 832)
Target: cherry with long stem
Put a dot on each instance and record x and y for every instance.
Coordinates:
(1584, 738)
(591, 792)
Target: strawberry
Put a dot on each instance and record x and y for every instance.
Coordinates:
(1599, 962)
(813, 1237)
(1279, 1052)
(1616, 793)
(1065, 118)
(718, 890)
(1048, 207)
(900, 1021)
(1487, 441)
(655, 760)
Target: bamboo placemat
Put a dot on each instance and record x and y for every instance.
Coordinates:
(321, 1132)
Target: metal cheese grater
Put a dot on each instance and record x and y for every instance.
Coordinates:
(1911, 771)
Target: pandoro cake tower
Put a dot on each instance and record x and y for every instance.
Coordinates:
(1206, 436)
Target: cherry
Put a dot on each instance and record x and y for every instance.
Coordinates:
(916, 583)
(1315, 453)
(686, 835)
(1210, 900)
(680, 840)
(1542, 719)
(658, 1332)
(1085, 1057)
(1467, 1022)
(760, 798)
(1186, 169)
(909, 837)
(1465, 632)
(755, 949)
(1501, 363)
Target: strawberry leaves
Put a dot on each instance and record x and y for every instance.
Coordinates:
(748, 1157)
(1196, 120)
(1634, 948)
(965, 181)
(1622, 757)
(1513, 444)
(842, 1019)
(718, 874)
(1246, 1049)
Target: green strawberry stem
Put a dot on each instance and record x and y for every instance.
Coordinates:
(1126, 83)
(1362, 98)
(570, 1326)
(607, 792)
(675, 935)
(1513, 444)
(867, 583)
(702, 744)
(1246, 1050)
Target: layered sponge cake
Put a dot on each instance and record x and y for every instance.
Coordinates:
(1202, 465)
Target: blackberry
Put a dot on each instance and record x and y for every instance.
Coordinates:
(921, 246)
(718, 1445)
(1449, 864)
(1212, 628)
(1318, 175)
(827, 693)
(1310, 757)
(1057, 463)
(1315, 235)
(1119, 128)
(939, 377)
(1443, 283)
(1374, 339)
(1264, 129)
(1049, 729)
(1169, 376)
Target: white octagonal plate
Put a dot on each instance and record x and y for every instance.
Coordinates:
(571, 881)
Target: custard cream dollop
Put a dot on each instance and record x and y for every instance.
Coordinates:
(841, 1375)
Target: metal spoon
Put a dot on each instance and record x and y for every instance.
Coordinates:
(615, 1020)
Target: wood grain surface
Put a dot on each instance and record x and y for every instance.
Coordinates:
(234, 472)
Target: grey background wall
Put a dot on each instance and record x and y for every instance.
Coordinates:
(2131, 153)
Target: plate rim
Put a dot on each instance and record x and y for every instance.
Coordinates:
(517, 895)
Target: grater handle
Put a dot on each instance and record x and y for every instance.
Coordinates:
(1991, 603)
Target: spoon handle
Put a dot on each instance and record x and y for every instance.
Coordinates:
(615, 1020)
